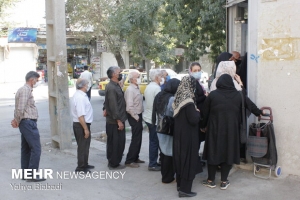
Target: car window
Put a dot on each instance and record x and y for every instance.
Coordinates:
(144, 78)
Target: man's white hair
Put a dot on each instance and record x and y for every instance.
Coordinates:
(132, 73)
(154, 73)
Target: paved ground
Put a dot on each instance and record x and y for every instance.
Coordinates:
(136, 183)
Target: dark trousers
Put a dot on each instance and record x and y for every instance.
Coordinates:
(88, 93)
(115, 144)
(167, 168)
(136, 139)
(83, 145)
(153, 145)
(184, 184)
(30, 144)
(212, 169)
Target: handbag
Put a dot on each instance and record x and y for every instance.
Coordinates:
(165, 124)
(243, 129)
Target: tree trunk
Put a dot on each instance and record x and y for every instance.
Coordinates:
(120, 60)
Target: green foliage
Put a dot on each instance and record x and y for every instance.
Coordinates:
(4, 25)
(139, 24)
(202, 26)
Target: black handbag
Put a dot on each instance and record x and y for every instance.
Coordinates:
(165, 124)
(243, 129)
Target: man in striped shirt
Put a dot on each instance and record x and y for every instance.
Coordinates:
(25, 117)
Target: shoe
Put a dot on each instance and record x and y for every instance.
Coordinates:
(85, 171)
(139, 161)
(183, 194)
(224, 185)
(116, 168)
(35, 179)
(89, 167)
(133, 165)
(156, 168)
(210, 184)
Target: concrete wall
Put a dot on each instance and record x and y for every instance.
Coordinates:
(278, 74)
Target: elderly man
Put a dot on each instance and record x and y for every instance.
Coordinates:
(150, 92)
(88, 76)
(82, 113)
(225, 56)
(25, 117)
(134, 108)
(115, 112)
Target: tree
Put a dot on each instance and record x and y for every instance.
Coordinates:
(139, 23)
(4, 25)
(201, 25)
(88, 19)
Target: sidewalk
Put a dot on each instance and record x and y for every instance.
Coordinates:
(137, 183)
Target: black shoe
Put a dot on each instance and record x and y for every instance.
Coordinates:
(116, 168)
(85, 171)
(183, 194)
(89, 167)
(35, 179)
(210, 184)
(224, 185)
(156, 168)
(139, 161)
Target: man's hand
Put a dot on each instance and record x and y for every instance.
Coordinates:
(14, 123)
(104, 113)
(86, 133)
(138, 118)
(120, 125)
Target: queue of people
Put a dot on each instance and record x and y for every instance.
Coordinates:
(180, 115)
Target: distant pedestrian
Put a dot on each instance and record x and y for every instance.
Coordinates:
(115, 112)
(25, 117)
(186, 136)
(82, 113)
(150, 92)
(89, 77)
(162, 106)
(165, 78)
(134, 108)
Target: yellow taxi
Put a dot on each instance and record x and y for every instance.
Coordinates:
(124, 83)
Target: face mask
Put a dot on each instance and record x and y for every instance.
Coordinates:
(162, 81)
(35, 85)
(138, 81)
(168, 78)
(196, 75)
(120, 77)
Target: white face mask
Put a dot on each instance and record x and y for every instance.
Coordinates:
(36, 84)
(162, 81)
(138, 81)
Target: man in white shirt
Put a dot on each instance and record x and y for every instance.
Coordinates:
(134, 109)
(89, 77)
(150, 92)
(82, 114)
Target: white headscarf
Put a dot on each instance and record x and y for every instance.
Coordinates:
(225, 67)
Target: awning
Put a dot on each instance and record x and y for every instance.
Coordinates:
(233, 2)
(69, 46)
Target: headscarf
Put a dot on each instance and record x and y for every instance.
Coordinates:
(225, 67)
(225, 85)
(185, 94)
(164, 96)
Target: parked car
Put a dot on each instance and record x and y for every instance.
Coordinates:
(124, 83)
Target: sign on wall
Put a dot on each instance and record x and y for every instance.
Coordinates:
(101, 46)
(22, 35)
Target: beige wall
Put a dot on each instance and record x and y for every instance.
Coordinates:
(278, 75)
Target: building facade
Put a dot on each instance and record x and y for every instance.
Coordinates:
(268, 31)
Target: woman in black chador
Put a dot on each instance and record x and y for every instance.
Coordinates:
(186, 136)
(222, 117)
